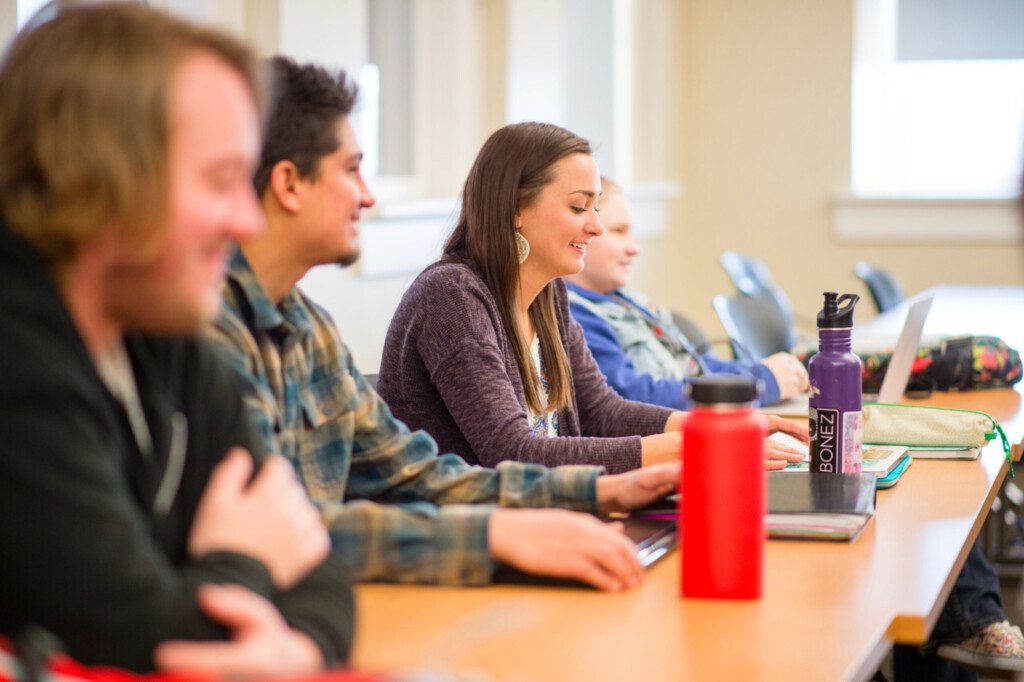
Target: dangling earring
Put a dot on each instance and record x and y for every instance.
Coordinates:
(522, 247)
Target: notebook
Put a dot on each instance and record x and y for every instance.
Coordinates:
(930, 452)
(806, 506)
(880, 460)
(890, 479)
(653, 532)
(819, 506)
(896, 375)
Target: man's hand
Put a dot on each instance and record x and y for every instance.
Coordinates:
(624, 492)
(565, 544)
(261, 643)
(270, 520)
(777, 455)
(789, 373)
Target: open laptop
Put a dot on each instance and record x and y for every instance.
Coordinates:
(896, 375)
(654, 538)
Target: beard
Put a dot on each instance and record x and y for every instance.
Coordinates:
(349, 258)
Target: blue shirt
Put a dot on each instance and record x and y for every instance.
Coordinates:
(613, 325)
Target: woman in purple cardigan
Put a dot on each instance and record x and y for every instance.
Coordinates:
(482, 352)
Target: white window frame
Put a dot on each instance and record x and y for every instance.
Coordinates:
(882, 216)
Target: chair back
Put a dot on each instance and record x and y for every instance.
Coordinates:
(884, 287)
(751, 277)
(757, 324)
(693, 333)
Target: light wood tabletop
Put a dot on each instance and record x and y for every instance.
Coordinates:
(830, 611)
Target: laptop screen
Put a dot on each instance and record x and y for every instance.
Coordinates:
(902, 362)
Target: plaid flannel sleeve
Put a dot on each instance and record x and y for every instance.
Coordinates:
(435, 527)
(396, 510)
(390, 463)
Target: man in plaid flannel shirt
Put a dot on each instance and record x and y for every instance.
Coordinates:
(395, 508)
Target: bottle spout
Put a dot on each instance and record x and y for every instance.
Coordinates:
(831, 304)
(838, 310)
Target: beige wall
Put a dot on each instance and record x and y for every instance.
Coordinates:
(746, 105)
(8, 20)
(662, 62)
(762, 91)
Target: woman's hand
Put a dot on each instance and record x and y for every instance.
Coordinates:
(777, 455)
(661, 448)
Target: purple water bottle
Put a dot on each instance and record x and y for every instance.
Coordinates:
(835, 415)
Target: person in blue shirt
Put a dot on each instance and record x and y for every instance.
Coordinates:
(638, 347)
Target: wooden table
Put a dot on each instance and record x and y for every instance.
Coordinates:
(981, 310)
(830, 611)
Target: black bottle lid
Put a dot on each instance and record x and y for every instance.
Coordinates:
(723, 389)
(837, 316)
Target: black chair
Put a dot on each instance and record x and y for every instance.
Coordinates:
(756, 324)
(884, 287)
(751, 277)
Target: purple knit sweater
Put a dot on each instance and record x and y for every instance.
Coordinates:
(448, 368)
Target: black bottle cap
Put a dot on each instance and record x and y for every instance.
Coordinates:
(834, 315)
(723, 389)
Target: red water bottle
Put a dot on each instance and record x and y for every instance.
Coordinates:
(722, 491)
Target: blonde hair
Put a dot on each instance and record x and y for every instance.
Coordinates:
(84, 130)
(609, 187)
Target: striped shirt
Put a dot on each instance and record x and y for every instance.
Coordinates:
(396, 509)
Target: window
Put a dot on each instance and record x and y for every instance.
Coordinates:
(938, 98)
(26, 9)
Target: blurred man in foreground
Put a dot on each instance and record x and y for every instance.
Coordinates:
(131, 518)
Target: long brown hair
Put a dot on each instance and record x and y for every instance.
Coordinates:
(509, 172)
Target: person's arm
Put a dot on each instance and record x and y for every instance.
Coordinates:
(390, 463)
(450, 545)
(618, 368)
(788, 375)
(78, 557)
(436, 529)
(769, 395)
(319, 605)
(460, 342)
(380, 460)
(262, 643)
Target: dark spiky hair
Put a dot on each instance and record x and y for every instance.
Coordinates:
(307, 103)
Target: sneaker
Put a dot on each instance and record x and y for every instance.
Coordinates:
(997, 650)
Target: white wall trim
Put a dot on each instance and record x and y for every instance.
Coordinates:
(406, 237)
(897, 219)
(652, 205)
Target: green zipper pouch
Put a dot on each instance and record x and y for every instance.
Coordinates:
(939, 427)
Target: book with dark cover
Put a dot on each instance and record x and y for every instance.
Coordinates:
(819, 506)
